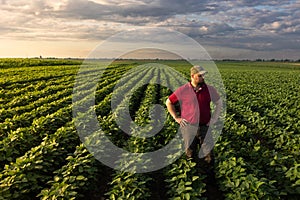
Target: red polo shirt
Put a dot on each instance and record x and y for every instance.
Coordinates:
(195, 106)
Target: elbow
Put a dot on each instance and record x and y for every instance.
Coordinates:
(168, 102)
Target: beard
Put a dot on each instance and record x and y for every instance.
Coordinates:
(201, 83)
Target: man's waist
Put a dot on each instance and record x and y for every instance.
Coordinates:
(198, 124)
(196, 120)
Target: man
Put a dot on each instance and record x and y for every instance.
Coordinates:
(194, 116)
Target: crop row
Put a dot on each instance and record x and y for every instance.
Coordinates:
(264, 156)
(14, 188)
(21, 140)
(19, 126)
(26, 177)
(256, 157)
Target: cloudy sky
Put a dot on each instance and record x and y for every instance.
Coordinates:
(241, 29)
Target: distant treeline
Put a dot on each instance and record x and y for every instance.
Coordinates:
(261, 60)
(29, 62)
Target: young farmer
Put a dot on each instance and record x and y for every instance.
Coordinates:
(195, 117)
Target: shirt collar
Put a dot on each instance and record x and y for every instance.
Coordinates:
(203, 86)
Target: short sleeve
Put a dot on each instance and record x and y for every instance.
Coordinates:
(173, 98)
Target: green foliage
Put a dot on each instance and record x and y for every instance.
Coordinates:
(257, 156)
(28, 62)
(28, 174)
(185, 181)
(72, 178)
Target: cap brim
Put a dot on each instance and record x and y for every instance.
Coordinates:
(202, 72)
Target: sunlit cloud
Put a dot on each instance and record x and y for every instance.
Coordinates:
(242, 26)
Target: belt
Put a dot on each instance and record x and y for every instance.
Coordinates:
(197, 124)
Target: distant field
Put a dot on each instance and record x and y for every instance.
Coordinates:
(41, 155)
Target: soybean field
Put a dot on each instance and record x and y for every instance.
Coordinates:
(257, 156)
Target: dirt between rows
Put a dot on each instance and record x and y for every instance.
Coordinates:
(158, 187)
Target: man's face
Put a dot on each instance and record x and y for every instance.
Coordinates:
(198, 78)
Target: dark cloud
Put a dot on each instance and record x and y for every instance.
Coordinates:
(255, 3)
(151, 11)
(259, 25)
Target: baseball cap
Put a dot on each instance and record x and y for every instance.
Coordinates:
(198, 69)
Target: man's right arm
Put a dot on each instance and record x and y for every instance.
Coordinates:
(172, 111)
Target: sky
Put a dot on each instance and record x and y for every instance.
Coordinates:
(241, 29)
